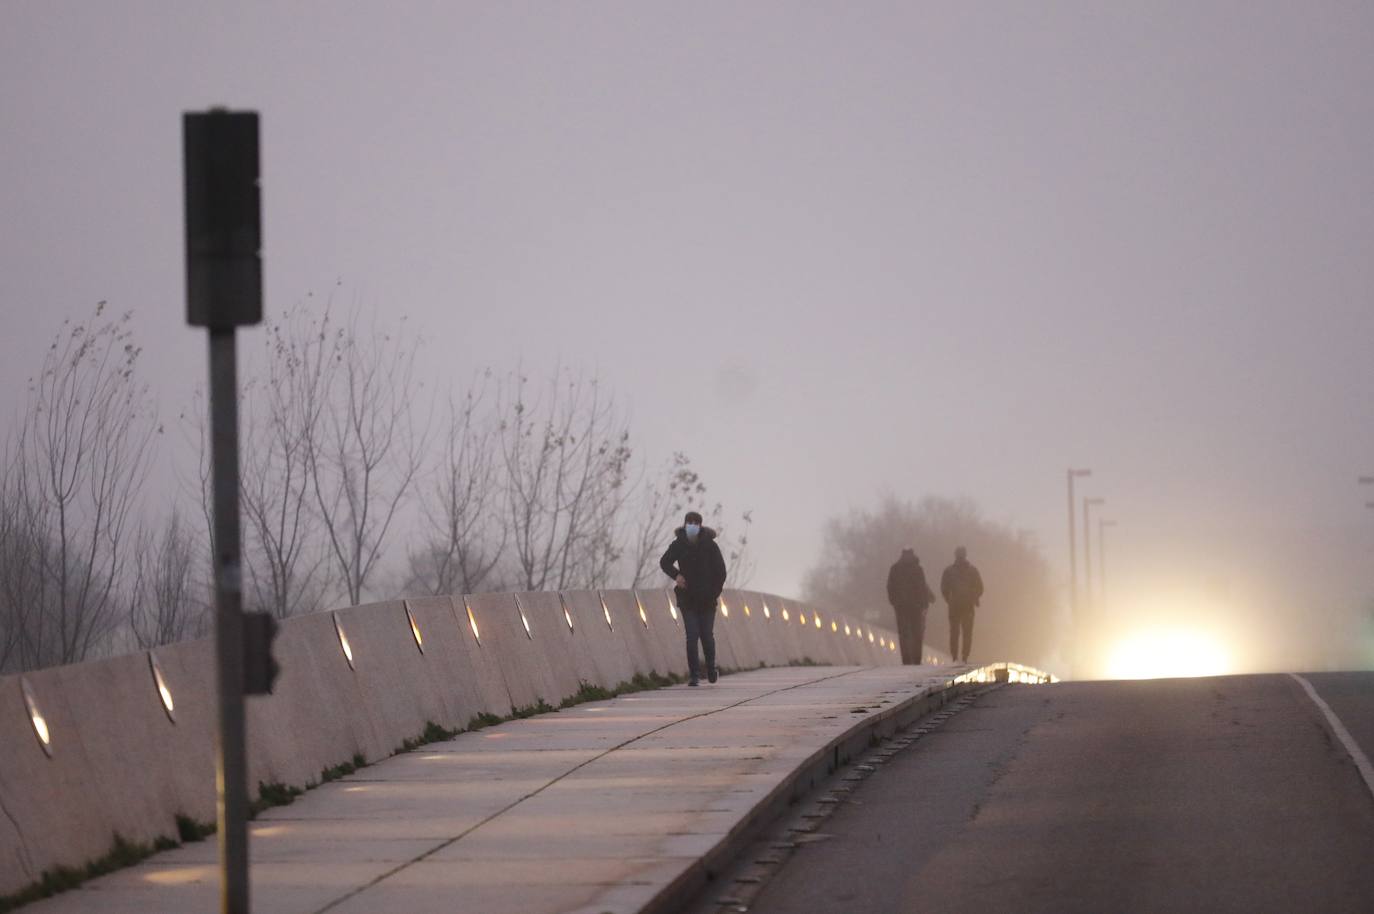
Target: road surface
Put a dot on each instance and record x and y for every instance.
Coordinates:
(1220, 794)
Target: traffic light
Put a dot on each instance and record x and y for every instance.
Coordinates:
(260, 668)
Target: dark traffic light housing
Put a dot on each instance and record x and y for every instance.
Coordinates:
(223, 219)
(260, 668)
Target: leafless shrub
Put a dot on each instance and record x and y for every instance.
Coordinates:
(466, 540)
(362, 448)
(167, 599)
(566, 457)
(74, 473)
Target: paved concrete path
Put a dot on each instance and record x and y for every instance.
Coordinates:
(599, 808)
(1206, 795)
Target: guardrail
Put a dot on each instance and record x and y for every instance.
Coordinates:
(125, 746)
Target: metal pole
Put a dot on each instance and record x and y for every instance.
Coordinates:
(1102, 525)
(1088, 549)
(1073, 560)
(1087, 553)
(231, 773)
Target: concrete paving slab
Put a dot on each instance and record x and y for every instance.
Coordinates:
(598, 808)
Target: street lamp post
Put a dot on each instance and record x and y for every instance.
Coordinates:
(1073, 548)
(1102, 525)
(1088, 548)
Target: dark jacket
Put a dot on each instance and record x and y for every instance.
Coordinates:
(700, 563)
(961, 585)
(907, 590)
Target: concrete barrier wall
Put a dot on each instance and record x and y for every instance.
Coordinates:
(121, 763)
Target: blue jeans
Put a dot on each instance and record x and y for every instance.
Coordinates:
(700, 625)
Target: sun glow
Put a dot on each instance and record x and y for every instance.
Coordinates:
(1168, 652)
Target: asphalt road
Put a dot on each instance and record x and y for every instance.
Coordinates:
(1222, 794)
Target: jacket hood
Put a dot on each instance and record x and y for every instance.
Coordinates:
(706, 533)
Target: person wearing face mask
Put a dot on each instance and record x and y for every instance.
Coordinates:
(694, 562)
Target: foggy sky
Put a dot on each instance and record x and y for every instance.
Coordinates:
(829, 250)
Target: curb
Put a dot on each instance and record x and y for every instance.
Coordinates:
(818, 766)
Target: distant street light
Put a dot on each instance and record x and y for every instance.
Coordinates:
(1088, 547)
(1102, 525)
(1073, 548)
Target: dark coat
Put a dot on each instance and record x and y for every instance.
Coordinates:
(961, 585)
(907, 589)
(700, 563)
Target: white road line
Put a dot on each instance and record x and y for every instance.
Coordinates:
(1342, 734)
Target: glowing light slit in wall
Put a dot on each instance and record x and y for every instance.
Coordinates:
(870, 636)
(567, 616)
(160, 683)
(724, 610)
(891, 645)
(801, 617)
(785, 616)
(846, 629)
(343, 641)
(36, 718)
(639, 604)
(767, 613)
(834, 626)
(817, 618)
(746, 610)
(524, 620)
(605, 611)
(472, 622)
(672, 609)
(414, 628)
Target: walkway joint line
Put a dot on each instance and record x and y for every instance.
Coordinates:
(533, 793)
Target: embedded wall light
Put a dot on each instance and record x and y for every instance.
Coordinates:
(817, 618)
(767, 613)
(160, 683)
(472, 623)
(606, 611)
(639, 604)
(567, 616)
(343, 641)
(724, 610)
(746, 610)
(785, 617)
(414, 628)
(672, 609)
(834, 626)
(846, 629)
(524, 620)
(36, 718)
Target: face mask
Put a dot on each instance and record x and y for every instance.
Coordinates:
(693, 531)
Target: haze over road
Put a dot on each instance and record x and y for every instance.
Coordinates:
(1217, 794)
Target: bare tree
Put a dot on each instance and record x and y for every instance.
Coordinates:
(566, 459)
(82, 454)
(1016, 616)
(283, 555)
(362, 449)
(168, 600)
(462, 549)
(664, 498)
(23, 596)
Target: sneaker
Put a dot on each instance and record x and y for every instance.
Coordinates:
(694, 681)
(712, 674)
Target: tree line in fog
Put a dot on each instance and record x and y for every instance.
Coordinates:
(360, 479)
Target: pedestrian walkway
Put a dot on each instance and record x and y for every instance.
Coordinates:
(610, 806)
